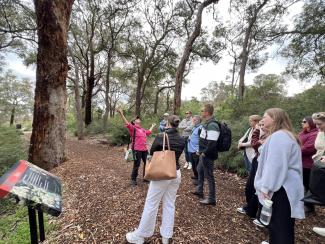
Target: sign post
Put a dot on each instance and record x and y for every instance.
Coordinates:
(38, 189)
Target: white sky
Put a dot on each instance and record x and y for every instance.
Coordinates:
(203, 72)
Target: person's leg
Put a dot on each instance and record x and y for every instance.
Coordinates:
(148, 220)
(144, 155)
(208, 173)
(194, 160)
(200, 171)
(187, 158)
(309, 207)
(281, 227)
(251, 198)
(168, 207)
(247, 163)
(136, 165)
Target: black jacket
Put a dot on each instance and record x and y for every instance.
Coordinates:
(208, 139)
(177, 143)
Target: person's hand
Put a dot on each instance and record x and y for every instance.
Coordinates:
(153, 125)
(322, 159)
(197, 153)
(239, 145)
(266, 196)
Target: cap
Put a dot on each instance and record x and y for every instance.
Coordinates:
(166, 114)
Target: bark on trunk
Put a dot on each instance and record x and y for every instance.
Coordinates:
(186, 55)
(47, 146)
(90, 88)
(107, 89)
(138, 94)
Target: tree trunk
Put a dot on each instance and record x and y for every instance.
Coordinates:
(80, 123)
(186, 55)
(138, 94)
(90, 88)
(107, 88)
(245, 52)
(12, 116)
(47, 145)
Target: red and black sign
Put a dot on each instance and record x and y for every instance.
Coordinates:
(33, 186)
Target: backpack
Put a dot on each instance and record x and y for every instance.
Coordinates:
(224, 140)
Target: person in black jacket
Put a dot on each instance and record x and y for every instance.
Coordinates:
(164, 190)
(208, 153)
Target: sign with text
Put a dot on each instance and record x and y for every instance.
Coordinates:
(34, 186)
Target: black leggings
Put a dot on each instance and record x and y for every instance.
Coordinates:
(138, 155)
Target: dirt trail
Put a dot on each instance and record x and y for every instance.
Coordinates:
(99, 206)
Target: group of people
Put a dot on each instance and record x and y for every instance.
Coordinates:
(278, 162)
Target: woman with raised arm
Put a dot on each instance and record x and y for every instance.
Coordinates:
(139, 144)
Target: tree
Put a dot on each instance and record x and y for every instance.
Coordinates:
(186, 55)
(47, 145)
(15, 96)
(306, 49)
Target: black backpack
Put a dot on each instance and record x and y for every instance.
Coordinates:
(224, 140)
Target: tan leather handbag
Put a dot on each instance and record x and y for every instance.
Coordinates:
(162, 165)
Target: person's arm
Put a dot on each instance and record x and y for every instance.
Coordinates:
(156, 145)
(182, 125)
(122, 115)
(189, 127)
(152, 126)
(308, 148)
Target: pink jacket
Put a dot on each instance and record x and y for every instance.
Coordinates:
(140, 137)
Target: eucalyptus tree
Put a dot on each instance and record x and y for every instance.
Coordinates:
(15, 97)
(250, 34)
(306, 42)
(47, 144)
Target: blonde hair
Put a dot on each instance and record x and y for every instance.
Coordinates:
(319, 116)
(255, 118)
(281, 122)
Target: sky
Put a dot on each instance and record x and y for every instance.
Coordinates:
(202, 72)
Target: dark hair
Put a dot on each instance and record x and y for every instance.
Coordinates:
(173, 120)
(132, 121)
(310, 121)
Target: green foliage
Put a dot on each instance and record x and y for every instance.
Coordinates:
(11, 149)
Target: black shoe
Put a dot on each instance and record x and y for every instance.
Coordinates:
(193, 177)
(199, 194)
(309, 209)
(133, 182)
(206, 201)
(195, 182)
(146, 181)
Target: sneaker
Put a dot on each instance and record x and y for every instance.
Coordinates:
(241, 210)
(165, 240)
(264, 242)
(189, 166)
(185, 165)
(132, 237)
(258, 223)
(319, 231)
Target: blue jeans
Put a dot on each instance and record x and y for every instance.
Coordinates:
(248, 164)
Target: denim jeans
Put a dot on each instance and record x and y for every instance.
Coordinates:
(207, 165)
(194, 159)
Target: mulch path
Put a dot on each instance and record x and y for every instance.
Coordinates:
(99, 206)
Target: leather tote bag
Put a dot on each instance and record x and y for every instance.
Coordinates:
(162, 165)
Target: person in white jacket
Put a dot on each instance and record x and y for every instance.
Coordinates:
(245, 142)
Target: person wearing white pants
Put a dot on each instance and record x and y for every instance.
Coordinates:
(163, 190)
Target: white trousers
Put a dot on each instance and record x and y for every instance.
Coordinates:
(164, 190)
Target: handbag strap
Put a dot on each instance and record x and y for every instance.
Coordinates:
(164, 138)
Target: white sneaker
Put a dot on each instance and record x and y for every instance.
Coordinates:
(185, 165)
(189, 166)
(132, 237)
(264, 242)
(241, 210)
(319, 231)
(258, 223)
(165, 240)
